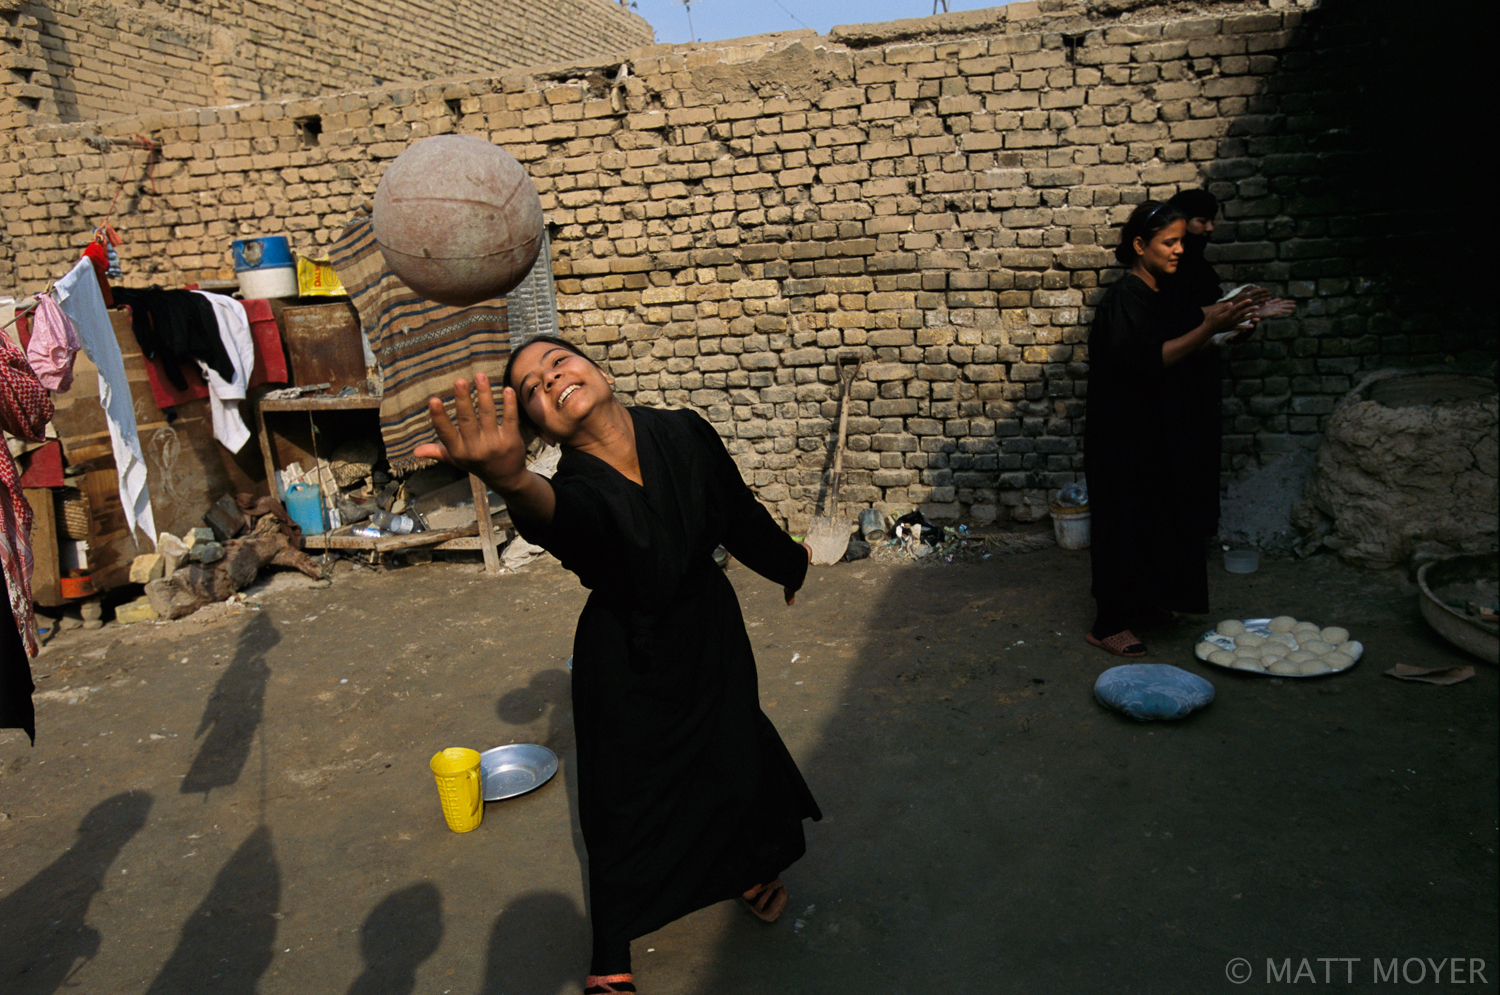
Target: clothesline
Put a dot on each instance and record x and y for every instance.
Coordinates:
(28, 302)
(24, 307)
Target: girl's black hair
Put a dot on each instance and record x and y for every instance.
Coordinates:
(1146, 220)
(528, 428)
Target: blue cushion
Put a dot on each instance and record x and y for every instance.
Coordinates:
(1152, 691)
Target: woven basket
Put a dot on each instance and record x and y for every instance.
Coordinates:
(73, 513)
(352, 461)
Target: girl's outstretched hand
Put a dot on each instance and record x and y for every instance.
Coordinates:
(475, 440)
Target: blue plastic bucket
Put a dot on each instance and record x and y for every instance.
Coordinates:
(269, 252)
(304, 502)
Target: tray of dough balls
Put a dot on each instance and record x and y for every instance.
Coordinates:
(1283, 646)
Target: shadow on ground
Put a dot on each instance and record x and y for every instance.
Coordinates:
(991, 828)
(44, 932)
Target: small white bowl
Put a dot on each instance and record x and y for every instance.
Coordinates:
(1241, 561)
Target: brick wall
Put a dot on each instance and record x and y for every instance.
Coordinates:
(937, 197)
(85, 60)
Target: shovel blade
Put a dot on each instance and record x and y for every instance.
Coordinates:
(827, 540)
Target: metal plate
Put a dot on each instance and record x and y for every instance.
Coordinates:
(1261, 627)
(507, 771)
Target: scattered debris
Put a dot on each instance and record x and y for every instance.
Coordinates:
(914, 542)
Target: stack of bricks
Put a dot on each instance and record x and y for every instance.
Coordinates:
(27, 94)
(84, 61)
(935, 199)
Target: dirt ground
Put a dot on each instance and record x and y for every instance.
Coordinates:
(240, 802)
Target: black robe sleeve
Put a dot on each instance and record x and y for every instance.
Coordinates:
(1124, 342)
(751, 535)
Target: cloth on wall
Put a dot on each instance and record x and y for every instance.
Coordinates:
(270, 361)
(421, 346)
(177, 325)
(225, 395)
(97, 254)
(54, 343)
(79, 297)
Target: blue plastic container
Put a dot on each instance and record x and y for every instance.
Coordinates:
(304, 502)
(268, 252)
(265, 267)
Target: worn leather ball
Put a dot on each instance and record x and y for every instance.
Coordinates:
(458, 220)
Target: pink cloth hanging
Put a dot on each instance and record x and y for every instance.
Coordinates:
(54, 343)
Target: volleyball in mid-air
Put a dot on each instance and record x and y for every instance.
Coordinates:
(458, 220)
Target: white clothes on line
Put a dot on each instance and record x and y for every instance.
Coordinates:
(79, 296)
(224, 398)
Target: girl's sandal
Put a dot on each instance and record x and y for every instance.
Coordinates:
(1123, 643)
(767, 901)
(609, 984)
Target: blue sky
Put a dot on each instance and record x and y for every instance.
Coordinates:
(715, 20)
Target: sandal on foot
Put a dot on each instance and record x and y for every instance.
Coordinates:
(609, 984)
(1123, 643)
(767, 901)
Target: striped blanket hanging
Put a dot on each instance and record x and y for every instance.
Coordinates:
(421, 346)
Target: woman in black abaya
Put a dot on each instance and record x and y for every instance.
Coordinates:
(1141, 448)
(687, 795)
(1200, 377)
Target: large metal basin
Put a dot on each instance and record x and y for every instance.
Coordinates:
(1463, 630)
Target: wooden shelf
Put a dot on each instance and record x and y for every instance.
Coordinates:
(340, 538)
(485, 534)
(320, 402)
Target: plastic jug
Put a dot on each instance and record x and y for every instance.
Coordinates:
(457, 773)
(304, 502)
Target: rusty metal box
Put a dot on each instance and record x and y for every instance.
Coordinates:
(323, 345)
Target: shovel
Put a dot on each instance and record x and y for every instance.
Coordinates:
(828, 536)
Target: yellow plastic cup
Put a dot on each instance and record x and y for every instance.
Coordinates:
(457, 773)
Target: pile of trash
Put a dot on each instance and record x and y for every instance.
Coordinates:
(244, 534)
(353, 487)
(912, 538)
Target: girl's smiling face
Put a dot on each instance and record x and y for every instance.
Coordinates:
(557, 388)
(1160, 255)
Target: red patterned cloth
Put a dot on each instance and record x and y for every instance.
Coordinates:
(25, 409)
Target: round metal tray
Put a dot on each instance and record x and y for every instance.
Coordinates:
(1261, 627)
(508, 771)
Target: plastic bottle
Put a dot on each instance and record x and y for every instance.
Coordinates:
(388, 522)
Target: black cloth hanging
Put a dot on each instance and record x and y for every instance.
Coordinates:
(687, 795)
(1142, 457)
(16, 685)
(177, 326)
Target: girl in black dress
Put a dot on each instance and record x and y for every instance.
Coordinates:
(686, 794)
(1140, 440)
